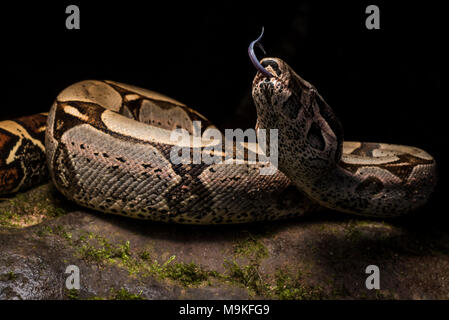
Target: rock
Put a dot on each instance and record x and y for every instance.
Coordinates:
(322, 256)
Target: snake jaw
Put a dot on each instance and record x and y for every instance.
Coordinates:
(274, 91)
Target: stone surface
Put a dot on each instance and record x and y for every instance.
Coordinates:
(322, 256)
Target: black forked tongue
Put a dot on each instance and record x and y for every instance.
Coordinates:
(273, 64)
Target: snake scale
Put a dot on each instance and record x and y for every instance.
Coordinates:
(106, 146)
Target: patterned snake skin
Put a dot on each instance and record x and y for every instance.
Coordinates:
(355, 177)
(107, 147)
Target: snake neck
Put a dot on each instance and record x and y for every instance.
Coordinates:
(373, 179)
(379, 190)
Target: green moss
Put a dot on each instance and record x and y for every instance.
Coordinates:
(32, 207)
(9, 219)
(145, 255)
(10, 276)
(284, 286)
(73, 294)
(247, 276)
(57, 230)
(90, 246)
(123, 294)
(45, 231)
(188, 274)
(251, 248)
(99, 249)
(96, 248)
(290, 288)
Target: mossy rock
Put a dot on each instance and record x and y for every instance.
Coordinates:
(322, 256)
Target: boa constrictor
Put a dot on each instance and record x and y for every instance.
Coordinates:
(107, 146)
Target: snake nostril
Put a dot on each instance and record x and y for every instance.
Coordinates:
(273, 64)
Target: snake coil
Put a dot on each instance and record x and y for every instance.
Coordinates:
(106, 146)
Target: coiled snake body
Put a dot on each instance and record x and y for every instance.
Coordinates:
(107, 147)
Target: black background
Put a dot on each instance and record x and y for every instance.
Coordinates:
(385, 85)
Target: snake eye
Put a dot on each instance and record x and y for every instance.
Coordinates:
(273, 64)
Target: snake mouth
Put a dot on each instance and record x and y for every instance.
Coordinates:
(278, 70)
(279, 79)
(269, 63)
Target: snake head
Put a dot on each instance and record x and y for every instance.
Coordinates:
(273, 92)
(309, 134)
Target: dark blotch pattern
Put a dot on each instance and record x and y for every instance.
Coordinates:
(315, 137)
(370, 185)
